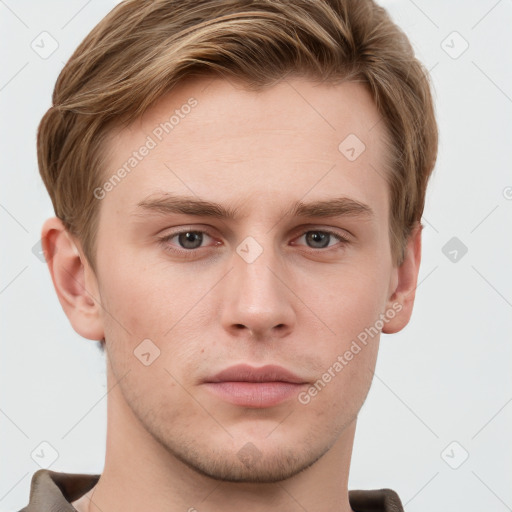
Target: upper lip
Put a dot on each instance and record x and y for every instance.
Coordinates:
(247, 373)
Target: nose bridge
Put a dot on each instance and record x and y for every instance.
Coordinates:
(253, 264)
(258, 298)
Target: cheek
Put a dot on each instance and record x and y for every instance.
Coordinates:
(352, 300)
(344, 380)
(139, 299)
(147, 302)
(350, 306)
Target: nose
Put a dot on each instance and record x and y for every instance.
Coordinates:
(258, 298)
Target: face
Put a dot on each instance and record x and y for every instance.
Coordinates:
(189, 290)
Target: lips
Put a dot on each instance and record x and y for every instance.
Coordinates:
(246, 386)
(246, 373)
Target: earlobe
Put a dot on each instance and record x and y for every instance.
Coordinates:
(401, 300)
(73, 280)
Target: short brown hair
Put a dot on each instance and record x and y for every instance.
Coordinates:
(143, 48)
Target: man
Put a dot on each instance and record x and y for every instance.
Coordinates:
(238, 189)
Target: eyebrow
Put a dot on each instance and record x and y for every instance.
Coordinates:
(187, 205)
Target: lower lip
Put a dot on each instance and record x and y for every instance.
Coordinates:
(254, 394)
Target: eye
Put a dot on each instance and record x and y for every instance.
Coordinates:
(320, 238)
(187, 241)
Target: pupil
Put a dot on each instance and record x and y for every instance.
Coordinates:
(318, 236)
(190, 237)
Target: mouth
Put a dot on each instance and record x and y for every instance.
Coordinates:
(247, 386)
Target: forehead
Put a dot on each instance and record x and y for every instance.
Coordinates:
(214, 139)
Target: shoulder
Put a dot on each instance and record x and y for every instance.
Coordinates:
(53, 490)
(385, 500)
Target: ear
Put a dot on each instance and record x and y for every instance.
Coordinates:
(403, 284)
(73, 279)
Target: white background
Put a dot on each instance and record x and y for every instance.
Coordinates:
(446, 377)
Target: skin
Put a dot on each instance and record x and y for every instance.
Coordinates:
(171, 444)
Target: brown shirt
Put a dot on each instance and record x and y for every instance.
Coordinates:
(53, 491)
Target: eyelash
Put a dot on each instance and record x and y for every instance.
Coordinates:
(192, 252)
